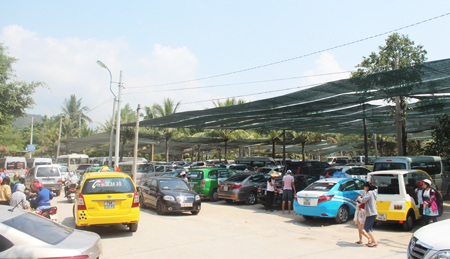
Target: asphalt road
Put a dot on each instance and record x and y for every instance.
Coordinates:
(237, 230)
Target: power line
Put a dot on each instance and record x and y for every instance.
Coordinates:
(306, 55)
(231, 84)
(102, 103)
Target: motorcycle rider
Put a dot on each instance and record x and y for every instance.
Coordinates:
(21, 181)
(43, 197)
(72, 179)
(18, 197)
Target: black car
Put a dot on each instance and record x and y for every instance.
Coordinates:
(300, 181)
(169, 194)
(312, 168)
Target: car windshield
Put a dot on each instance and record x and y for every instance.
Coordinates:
(108, 185)
(47, 171)
(39, 228)
(388, 166)
(195, 175)
(175, 184)
(321, 186)
(238, 177)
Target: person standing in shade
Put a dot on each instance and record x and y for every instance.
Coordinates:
(270, 192)
(430, 208)
(5, 191)
(288, 184)
(419, 192)
(370, 201)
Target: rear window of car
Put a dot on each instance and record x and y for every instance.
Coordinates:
(47, 171)
(39, 228)
(322, 186)
(238, 177)
(42, 163)
(15, 165)
(108, 185)
(386, 183)
(83, 167)
(388, 166)
(195, 175)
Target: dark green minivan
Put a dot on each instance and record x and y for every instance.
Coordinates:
(205, 181)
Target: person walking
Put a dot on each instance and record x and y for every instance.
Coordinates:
(430, 208)
(5, 191)
(288, 184)
(360, 219)
(270, 192)
(18, 198)
(370, 201)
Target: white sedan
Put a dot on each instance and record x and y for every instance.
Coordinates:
(431, 241)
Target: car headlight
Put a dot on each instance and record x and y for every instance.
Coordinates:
(443, 254)
(169, 198)
(197, 197)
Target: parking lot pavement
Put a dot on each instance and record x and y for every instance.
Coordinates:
(237, 230)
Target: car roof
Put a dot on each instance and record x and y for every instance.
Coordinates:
(399, 171)
(334, 180)
(105, 174)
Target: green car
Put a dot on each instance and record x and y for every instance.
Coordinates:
(205, 181)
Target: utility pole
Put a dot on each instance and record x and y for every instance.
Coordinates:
(31, 135)
(398, 118)
(136, 140)
(116, 159)
(59, 138)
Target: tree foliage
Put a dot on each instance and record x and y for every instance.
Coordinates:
(441, 138)
(15, 96)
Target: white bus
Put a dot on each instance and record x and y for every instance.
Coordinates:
(73, 160)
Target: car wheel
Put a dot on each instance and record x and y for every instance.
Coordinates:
(195, 212)
(132, 227)
(251, 199)
(57, 193)
(159, 208)
(141, 202)
(342, 215)
(308, 217)
(409, 222)
(214, 196)
(228, 201)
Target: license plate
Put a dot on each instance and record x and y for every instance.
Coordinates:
(186, 204)
(381, 217)
(306, 202)
(225, 187)
(110, 205)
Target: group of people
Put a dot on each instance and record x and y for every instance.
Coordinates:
(13, 193)
(428, 198)
(288, 191)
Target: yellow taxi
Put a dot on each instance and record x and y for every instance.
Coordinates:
(106, 198)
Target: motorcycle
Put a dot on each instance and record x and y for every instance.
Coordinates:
(71, 190)
(49, 213)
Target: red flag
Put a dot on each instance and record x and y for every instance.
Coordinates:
(117, 169)
(327, 176)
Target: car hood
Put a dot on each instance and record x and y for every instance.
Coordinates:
(83, 241)
(433, 234)
(178, 192)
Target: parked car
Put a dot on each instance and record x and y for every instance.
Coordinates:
(172, 174)
(430, 241)
(198, 164)
(24, 234)
(48, 175)
(329, 198)
(333, 159)
(169, 194)
(144, 170)
(397, 201)
(312, 168)
(81, 168)
(301, 181)
(205, 181)
(106, 198)
(256, 161)
(241, 187)
(269, 170)
(350, 171)
(64, 170)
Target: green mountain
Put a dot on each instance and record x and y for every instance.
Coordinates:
(23, 122)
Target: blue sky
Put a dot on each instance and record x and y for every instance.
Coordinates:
(159, 42)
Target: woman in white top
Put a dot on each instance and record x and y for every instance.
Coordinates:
(270, 192)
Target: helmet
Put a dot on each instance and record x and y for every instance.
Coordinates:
(427, 181)
(38, 185)
(419, 184)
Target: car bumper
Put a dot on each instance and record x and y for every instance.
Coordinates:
(84, 219)
(53, 187)
(324, 210)
(176, 207)
(234, 195)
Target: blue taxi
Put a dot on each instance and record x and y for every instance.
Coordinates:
(329, 198)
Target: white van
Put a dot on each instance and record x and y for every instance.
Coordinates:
(32, 162)
(11, 165)
(436, 167)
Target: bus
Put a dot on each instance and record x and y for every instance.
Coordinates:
(72, 161)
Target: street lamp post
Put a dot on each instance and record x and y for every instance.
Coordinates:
(116, 160)
(111, 137)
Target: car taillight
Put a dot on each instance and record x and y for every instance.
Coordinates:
(135, 200)
(236, 186)
(81, 204)
(325, 198)
(202, 184)
(67, 257)
(220, 185)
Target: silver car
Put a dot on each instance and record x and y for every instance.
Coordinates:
(24, 234)
(241, 187)
(48, 175)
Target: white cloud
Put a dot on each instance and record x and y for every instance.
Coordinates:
(326, 64)
(68, 66)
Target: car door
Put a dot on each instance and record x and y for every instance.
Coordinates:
(349, 192)
(145, 191)
(213, 180)
(153, 193)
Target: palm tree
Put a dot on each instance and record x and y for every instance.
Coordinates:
(127, 115)
(169, 107)
(72, 108)
(228, 102)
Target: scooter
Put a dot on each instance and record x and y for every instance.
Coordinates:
(70, 194)
(49, 213)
